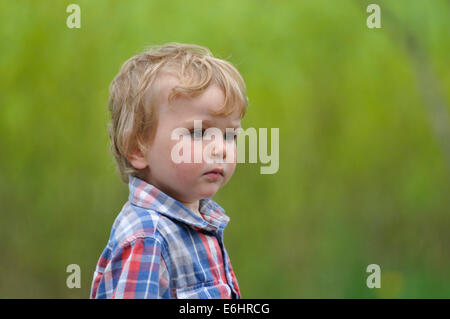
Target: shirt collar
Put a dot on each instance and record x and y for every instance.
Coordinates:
(147, 196)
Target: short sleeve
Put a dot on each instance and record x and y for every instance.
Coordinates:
(135, 270)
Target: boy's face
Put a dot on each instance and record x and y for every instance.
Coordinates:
(187, 182)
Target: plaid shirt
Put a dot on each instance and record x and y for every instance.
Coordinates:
(159, 248)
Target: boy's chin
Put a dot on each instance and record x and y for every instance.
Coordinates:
(208, 190)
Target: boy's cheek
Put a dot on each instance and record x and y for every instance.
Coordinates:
(187, 171)
(234, 154)
(231, 168)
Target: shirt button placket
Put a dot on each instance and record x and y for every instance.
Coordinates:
(225, 258)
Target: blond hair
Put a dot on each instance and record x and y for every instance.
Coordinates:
(132, 101)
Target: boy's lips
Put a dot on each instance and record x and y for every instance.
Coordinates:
(213, 172)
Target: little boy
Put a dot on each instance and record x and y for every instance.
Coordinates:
(167, 241)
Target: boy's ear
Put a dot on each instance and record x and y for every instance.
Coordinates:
(137, 159)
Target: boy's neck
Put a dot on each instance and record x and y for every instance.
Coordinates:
(194, 206)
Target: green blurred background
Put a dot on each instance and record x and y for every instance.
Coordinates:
(364, 141)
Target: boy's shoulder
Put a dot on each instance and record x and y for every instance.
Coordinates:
(134, 222)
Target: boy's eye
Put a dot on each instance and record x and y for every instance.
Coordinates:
(200, 134)
(230, 136)
(197, 134)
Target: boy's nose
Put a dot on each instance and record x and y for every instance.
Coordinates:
(224, 152)
(219, 149)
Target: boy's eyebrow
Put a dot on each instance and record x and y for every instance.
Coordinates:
(207, 123)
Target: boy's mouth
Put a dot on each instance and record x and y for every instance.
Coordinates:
(215, 172)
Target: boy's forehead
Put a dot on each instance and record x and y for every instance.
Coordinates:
(162, 87)
(198, 107)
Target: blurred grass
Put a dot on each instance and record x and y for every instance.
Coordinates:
(362, 178)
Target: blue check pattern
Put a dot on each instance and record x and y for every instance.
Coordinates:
(158, 248)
